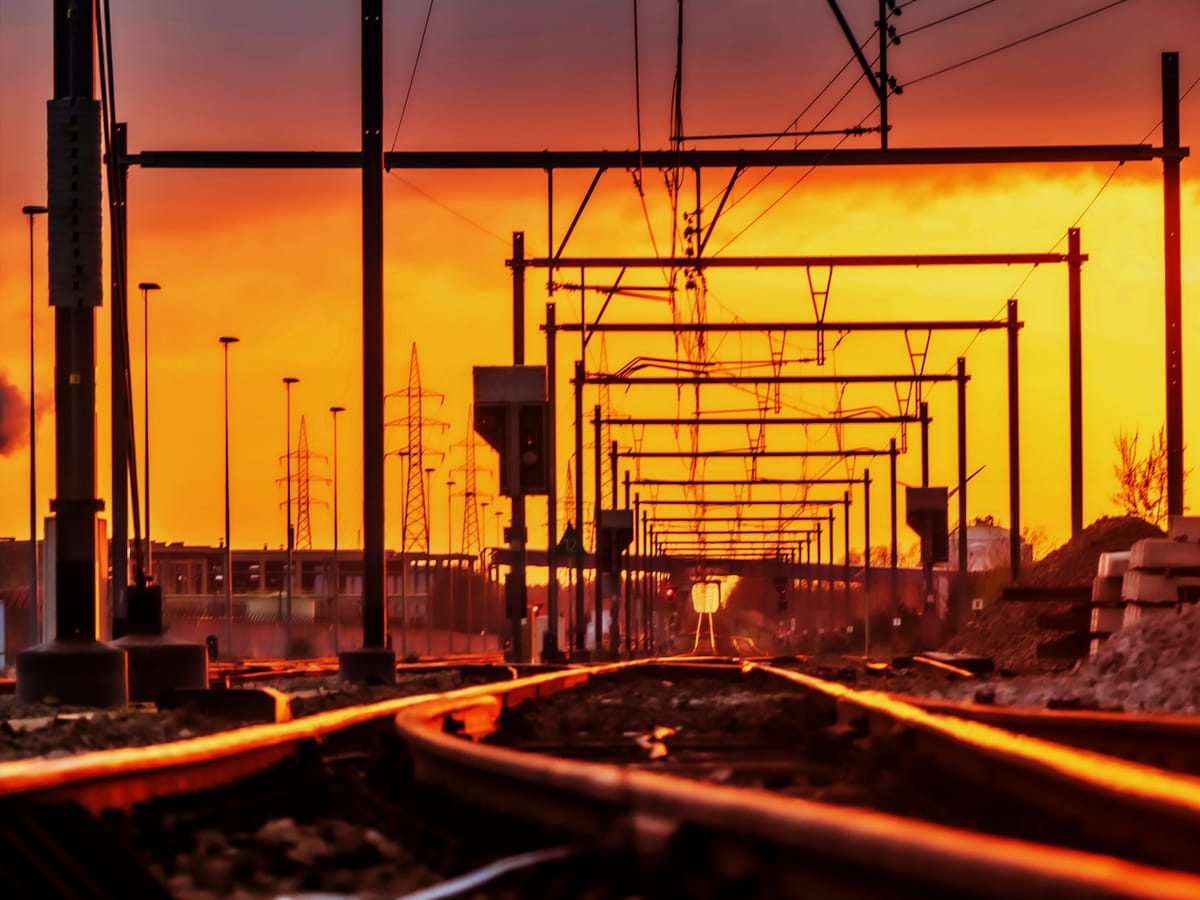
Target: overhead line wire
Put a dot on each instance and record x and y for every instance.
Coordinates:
(1015, 43)
(412, 78)
(454, 212)
(1107, 181)
(961, 12)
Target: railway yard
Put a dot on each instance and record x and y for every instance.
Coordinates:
(684, 776)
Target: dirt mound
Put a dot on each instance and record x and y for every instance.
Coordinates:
(1074, 563)
(1008, 631)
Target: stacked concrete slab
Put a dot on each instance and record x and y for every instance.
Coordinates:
(1108, 604)
(1163, 572)
(1152, 579)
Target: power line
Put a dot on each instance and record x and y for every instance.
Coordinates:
(961, 12)
(454, 212)
(1015, 43)
(412, 78)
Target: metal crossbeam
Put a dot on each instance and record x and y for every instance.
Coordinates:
(735, 327)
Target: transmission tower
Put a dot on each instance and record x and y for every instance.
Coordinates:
(470, 532)
(415, 533)
(302, 478)
(303, 525)
(606, 473)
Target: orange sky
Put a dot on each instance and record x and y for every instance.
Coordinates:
(273, 257)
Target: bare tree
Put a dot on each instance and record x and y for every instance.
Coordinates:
(1037, 540)
(1142, 482)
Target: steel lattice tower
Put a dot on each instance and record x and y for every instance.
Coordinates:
(606, 473)
(415, 534)
(303, 524)
(302, 479)
(470, 531)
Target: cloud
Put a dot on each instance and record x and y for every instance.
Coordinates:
(14, 417)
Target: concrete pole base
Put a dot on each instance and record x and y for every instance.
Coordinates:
(73, 672)
(370, 664)
(157, 666)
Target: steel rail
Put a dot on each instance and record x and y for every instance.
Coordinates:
(1167, 741)
(803, 838)
(119, 779)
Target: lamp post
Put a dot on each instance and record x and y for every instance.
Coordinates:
(146, 287)
(227, 575)
(287, 626)
(469, 497)
(34, 634)
(336, 618)
(428, 562)
(450, 562)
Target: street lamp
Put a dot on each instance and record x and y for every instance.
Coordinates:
(449, 562)
(228, 573)
(469, 497)
(146, 287)
(32, 211)
(336, 619)
(428, 562)
(287, 628)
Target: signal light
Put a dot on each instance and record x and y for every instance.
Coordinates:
(532, 476)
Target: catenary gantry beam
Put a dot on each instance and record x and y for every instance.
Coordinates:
(634, 159)
(734, 327)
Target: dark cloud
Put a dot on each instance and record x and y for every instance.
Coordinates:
(14, 417)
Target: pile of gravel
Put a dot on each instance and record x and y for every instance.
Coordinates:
(1151, 666)
(1074, 563)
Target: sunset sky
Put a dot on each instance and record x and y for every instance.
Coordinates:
(273, 257)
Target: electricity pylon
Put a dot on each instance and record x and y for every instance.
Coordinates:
(415, 528)
(470, 532)
(302, 477)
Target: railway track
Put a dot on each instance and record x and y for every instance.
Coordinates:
(625, 826)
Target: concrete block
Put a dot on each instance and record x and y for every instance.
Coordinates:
(1156, 587)
(1164, 555)
(1113, 564)
(1107, 619)
(1135, 612)
(1107, 590)
(1183, 528)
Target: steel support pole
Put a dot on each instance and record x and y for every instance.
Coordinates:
(1075, 370)
(647, 588)
(635, 569)
(830, 579)
(227, 562)
(895, 555)
(580, 623)
(962, 489)
(1014, 446)
(291, 533)
(519, 541)
(551, 652)
(597, 588)
(119, 413)
(76, 503)
(882, 82)
(1172, 283)
(337, 619)
(374, 597)
(625, 569)
(818, 603)
(846, 551)
(927, 561)
(867, 562)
